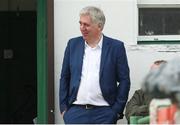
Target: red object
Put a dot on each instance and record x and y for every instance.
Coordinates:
(165, 115)
(173, 109)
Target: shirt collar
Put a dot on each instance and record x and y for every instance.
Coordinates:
(99, 44)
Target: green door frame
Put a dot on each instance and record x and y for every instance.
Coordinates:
(45, 61)
(41, 62)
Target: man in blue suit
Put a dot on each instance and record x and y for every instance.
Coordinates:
(95, 83)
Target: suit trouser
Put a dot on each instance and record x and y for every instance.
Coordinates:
(97, 115)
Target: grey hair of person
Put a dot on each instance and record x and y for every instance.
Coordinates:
(165, 81)
(96, 15)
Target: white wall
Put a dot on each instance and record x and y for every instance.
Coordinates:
(121, 23)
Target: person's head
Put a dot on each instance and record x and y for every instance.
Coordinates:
(165, 81)
(157, 63)
(92, 22)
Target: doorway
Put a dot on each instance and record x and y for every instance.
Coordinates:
(18, 62)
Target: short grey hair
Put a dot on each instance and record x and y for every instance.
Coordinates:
(95, 13)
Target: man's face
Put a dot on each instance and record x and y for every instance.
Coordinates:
(90, 31)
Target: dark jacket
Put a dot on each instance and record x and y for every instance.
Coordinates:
(138, 105)
(113, 68)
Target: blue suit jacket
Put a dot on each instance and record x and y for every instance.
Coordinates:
(113, 68)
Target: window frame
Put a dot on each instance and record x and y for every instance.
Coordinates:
(157, 39)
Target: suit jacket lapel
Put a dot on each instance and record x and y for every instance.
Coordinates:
(80, 55)
(105, 49)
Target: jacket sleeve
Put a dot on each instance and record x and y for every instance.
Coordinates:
(122, 72)
(65, 80)
(136, 106)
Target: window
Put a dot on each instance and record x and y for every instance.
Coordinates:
(159, 25)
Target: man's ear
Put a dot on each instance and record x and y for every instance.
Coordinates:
(100, 26)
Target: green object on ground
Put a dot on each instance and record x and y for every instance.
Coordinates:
(144, 120)
(134, 119)
(139, 119)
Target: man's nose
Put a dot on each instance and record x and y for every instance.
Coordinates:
(82, 27)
